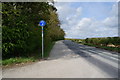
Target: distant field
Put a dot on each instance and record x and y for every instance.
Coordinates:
(109, 43)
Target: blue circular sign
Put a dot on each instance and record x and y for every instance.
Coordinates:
(42, 23)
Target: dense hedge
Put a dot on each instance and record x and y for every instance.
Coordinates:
(21, 35)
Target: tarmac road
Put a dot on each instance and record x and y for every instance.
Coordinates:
(70, 60)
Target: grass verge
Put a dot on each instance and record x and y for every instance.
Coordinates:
(17, 61)
(48, 49)
(116, 49)
(12, 61)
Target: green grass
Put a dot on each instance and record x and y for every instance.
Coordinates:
(116, 49)
(29, 59)
(111, 48)
(17, 60)
(47, 51)
(105, 47)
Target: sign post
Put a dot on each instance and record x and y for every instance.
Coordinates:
(42, 23)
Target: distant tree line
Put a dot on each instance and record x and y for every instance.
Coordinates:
(21, 35)
(103, 41)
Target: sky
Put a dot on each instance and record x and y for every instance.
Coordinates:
(88, 19)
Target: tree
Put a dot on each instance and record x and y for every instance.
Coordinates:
(21, 33)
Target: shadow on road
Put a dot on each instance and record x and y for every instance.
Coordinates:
(87, 52)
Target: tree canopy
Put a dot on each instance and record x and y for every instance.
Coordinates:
(21, 34)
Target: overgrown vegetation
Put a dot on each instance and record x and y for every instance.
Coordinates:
(17, 60)
(21, 35)
(109, 43)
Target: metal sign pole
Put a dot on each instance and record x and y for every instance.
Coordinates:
(42, 43)
(42, 23)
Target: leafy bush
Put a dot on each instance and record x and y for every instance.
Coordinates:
(21, 33)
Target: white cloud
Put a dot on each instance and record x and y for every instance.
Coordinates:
(77, 27)
(114, 11)
(64, 11)
(84, 22)
(111, 21)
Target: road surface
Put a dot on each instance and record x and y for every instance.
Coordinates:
(70, 60)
